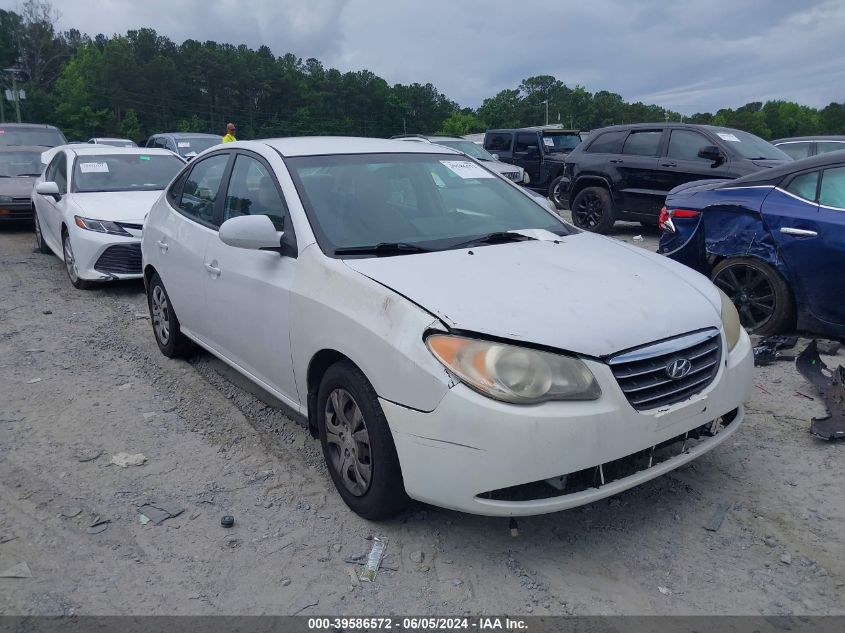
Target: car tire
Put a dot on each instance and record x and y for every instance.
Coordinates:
(70, 265)
(592, 210)
(40, 244)
(166, 328)
(556, 195)
(354, 433)
(761, 296)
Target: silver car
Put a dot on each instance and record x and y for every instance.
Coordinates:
(473, 150)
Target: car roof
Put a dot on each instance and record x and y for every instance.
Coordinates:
(426, 137)
(186, 135)
(536, 128)
(327, 145)
(88, 149)
(29, 125)
(110, 138)
(776, 174)
(821, 137)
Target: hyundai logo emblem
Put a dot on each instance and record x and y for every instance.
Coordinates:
(678, 368)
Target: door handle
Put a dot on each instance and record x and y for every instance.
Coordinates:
(616, 160)
(163, 246)
(668, 164)
(787, 230)
(213, 270)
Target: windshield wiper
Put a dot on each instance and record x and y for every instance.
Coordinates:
(382, 248)
(498, 237)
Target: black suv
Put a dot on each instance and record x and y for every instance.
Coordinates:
(624, 172)
(539, 151)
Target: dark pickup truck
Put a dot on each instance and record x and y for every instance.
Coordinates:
(539, 151)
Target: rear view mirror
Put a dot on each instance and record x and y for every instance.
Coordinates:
(711, 152)
(48, 189)
(254, 232)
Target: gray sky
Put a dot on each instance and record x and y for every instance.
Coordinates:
(688, 55)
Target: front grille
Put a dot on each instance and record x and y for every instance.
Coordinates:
(120, 259)
(21, 200)
(643, 373)
(20, 212)
(511, 175)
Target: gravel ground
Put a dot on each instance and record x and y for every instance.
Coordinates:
(81, 380)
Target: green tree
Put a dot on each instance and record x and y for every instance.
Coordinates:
(460, 123)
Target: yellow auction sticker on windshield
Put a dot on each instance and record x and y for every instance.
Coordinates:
(466, 169)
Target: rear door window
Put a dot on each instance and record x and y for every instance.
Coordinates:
(607, 143)
(685, 145)
(642, 143)
(497, 142)
(199, 193)
(823, 147)
(525, 141)
(797, 150)
(832, 190)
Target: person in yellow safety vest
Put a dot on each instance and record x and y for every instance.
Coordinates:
(230, 133)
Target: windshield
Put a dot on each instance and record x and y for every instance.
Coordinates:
(561, 142)
(14, 164)
(435, 201)
(469, 148)
(124, 172)
(195, 145)
(750, 146)
(45, 137)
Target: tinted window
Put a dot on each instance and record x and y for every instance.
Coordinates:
(524, 141)
(201, 188)
(561, 142)
(823, 147)
(500, 142)
(804, 186)
(685, 144)
(193, 145)
(607, 143)
(832, 192)
(435, 201)
(644, 143)
(795, 150)
(252, 192)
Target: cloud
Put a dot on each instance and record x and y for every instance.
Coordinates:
(697, 55)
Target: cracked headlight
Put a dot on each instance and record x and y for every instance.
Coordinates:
(730, 320)
(509, 373)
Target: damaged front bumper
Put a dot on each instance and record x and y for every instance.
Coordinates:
(481, 456)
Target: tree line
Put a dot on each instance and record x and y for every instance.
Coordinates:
(140, 83)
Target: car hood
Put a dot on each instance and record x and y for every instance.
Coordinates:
(500, 167)
(117, 206)
(585, 294)
(17, 187)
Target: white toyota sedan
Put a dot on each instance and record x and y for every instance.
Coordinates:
(90, 204)
(445, 334)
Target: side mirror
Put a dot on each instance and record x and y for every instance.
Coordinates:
(254, 232)
(711, 152)
(48, 189)
(495, 156)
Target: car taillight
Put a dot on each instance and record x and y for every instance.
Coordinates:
(664, 220)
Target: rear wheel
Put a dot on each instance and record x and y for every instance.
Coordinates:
(357, 444)
(169, 337)
(592, 210)
(760, 294)
(71, 266)
(40, 244)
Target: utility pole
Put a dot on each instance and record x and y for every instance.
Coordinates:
(547, 111)
(15, 93)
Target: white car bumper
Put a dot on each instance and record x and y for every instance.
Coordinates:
(470, 446)
(102, 256)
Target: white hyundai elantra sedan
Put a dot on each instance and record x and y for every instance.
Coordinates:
(90, 202)
(445, 334)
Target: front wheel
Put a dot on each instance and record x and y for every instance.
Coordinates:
(760, 294)
(592, 210)
(357, 444)
(71, 266)
(556, 194)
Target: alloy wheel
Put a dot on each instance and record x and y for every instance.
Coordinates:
(589, 211)
(348, 442)
(70, 262)
(161, 314)
(751, 293)
(556, 196)
(38, 238)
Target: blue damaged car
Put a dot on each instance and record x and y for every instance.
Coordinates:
(773, 241)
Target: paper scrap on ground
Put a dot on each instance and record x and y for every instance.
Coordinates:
(159, 512)
(125, 459)
(368, 574)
